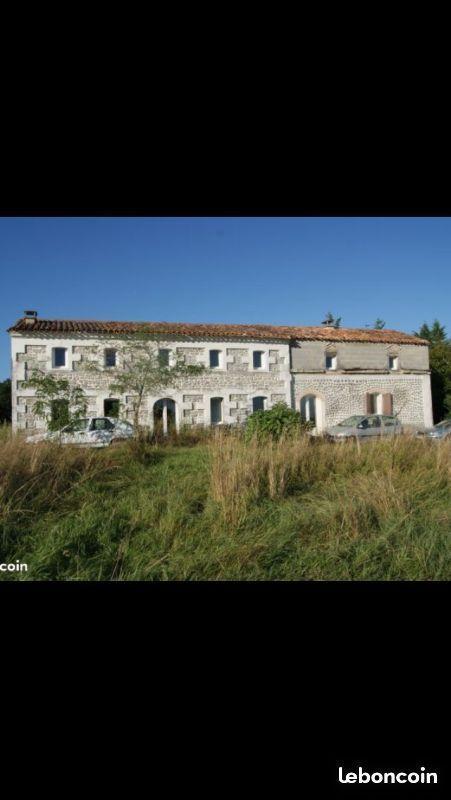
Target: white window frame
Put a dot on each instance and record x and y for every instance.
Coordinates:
(61, 366)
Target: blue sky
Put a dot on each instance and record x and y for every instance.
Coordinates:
(271, 270)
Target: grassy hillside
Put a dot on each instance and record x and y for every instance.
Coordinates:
(216, 508)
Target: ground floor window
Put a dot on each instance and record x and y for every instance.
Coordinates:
(374, 403)
(111, 407)
(59, 414)
(379, 403)
(308, 408)
(164, 415)
(259, 403)
(216, 410)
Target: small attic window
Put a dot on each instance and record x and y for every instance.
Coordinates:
(331, 361)
(393, 362)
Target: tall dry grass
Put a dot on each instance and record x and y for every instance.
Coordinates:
(36, 478)
(356, 483)
(220, 508)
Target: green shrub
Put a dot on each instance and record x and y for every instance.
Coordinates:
(276, 421)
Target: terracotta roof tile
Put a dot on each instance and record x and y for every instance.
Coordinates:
(216, 331)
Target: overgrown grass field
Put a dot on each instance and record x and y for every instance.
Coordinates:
(214, 507)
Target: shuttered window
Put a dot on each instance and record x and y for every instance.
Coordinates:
(378, 403)
(387, 404)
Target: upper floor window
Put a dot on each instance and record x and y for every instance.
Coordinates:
(110, 358)
(215, 358)
(163, 356)
(393, 362)
(59, 357)
(257, 359)
(331, 361)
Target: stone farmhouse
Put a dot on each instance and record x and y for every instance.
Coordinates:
(324, 372)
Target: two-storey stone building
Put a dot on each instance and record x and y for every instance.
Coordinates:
(324, 372)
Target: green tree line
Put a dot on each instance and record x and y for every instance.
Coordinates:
(440, 363)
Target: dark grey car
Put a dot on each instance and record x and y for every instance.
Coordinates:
(363, 426)
(440, 431)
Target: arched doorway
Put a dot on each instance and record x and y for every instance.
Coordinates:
(308, 408)
(164, 415)
(312, 410)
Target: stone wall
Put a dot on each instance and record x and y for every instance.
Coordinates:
(310, 356)
(235, 381)
(343, 395)
(237, 359)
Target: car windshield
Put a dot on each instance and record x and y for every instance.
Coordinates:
(101, 424)
(75, 427)
(351, 422)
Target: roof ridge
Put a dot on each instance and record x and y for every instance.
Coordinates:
(221, 329)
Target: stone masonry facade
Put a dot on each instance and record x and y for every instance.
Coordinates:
(288, 370)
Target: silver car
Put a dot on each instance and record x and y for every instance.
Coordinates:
(364, 427)
(440, 431)
(87, 432)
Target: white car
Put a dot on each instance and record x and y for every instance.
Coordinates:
(87, 432)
